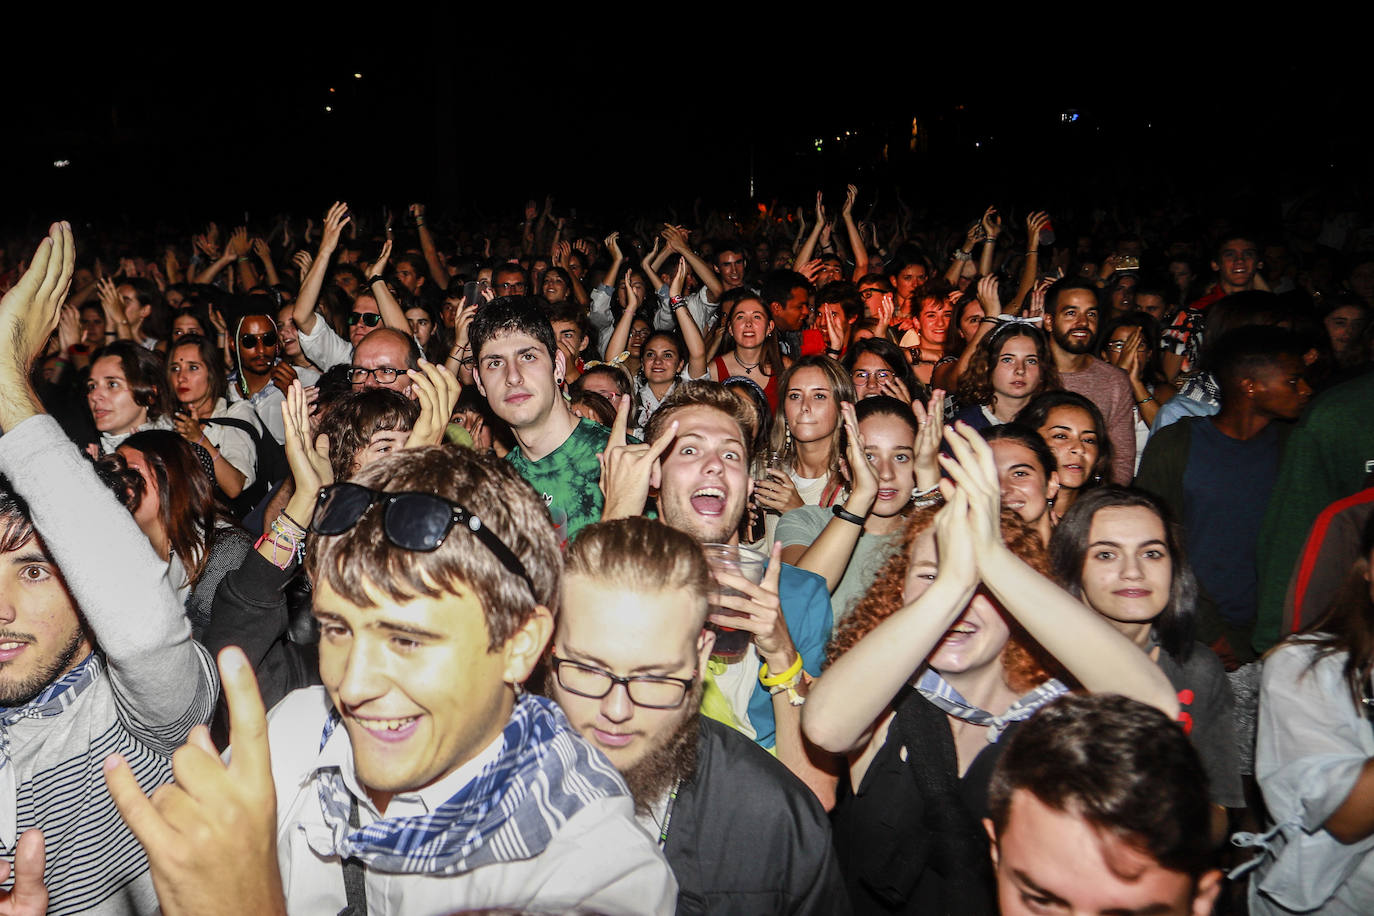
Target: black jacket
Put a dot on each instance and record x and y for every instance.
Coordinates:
(748, 837)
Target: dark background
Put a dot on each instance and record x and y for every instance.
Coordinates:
(475, 116)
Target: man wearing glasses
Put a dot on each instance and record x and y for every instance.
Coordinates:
(510, 280)
(741, 833)
(381, 359)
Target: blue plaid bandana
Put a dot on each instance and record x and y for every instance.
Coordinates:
(544, 774)
(939, 692)
(53, 700)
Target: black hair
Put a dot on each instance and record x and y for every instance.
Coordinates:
(1245, 350)
(1027, 436)
(1038, 410)
(511, 315)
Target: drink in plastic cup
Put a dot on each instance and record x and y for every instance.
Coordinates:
(742, 561)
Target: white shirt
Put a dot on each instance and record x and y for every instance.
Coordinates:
(600, 861)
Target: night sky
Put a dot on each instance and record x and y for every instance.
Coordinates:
(474, 116)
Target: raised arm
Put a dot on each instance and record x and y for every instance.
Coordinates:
(992, 227)
(437, 275)
(856, 238)
(264, 253)
(963, 253)
(1101, 658)
(1030, 268)
(809, 246)
(303, 313)
(620, 337)
(163, 682)
(676, 239)
(393, 316)
(691, 334)
(829, 554)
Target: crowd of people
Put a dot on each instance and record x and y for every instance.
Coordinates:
(811, 563)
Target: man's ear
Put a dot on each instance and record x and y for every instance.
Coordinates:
(1216, 266)
(560, 364)
(992, 840)
(706, 641)
(525, 646)
(1208, 887)
(477, 379)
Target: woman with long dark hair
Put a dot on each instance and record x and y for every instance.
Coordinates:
(127, 392)
(1118, 550)
(1073, 428)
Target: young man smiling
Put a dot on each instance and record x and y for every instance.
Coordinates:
(421, 778)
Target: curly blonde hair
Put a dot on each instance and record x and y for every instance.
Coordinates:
(1025, 663)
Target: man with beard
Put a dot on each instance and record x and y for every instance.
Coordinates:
(630, 651)
(703, 484)
(1071, 313)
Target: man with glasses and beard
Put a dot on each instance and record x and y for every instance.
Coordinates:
(1071, 315)
(742, 834)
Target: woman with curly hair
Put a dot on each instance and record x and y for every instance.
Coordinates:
(1009, 366)
(957, 641)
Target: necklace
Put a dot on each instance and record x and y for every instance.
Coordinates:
(748, 369)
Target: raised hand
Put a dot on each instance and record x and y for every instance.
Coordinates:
(303, 259)
(30, 310)
(260, 249)
(930, 429)
(283, 375)
(238, 243)
(309, 461)
(211, 836)
(68, 328)
(1127, 359)
(417, 211)
(1035, 223)
(377, 267)
(973, 471)
(612, 244)
(334, 221)
(836, 329)
(820, 207)
(992, 223)
(627, 469)
(437, 390)
(851, 194)
(988, 295)
(863, 483)
(810, 269)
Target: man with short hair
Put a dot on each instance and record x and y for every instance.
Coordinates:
(788, 297)
(421, 778)
(510, 279)
(1217, 473)
(1071, 313)
(81, 675)
(1237, 264)
(380, 360)
(1099, 805)
(629, 656)
(519, 370)
(703, 486)
(703, 305)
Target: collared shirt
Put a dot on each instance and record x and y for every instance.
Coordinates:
(599, 861)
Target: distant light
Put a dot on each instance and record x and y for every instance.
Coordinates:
(328, 108)
(819, 143)
(331, 88)
(976, 144)
(1068, 116)
(357, 76)
(61, 163)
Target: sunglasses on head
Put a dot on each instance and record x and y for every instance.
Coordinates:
(410, 521)
(371, 319)
(253, 341)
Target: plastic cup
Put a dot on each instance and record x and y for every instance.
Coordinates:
(731, 643)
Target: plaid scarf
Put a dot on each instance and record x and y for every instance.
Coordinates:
(543, 775)
(939, 692)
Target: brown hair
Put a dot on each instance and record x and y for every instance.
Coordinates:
(975, 385)
(841, 389)
(700, 394)
(185, 495)
(145, 373)
(643, 556)
(361, 565)
(1025, 664)
(351, 421)
(772, 356)
(209, 356)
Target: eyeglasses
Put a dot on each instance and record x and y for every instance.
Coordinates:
(253, 341)
(384, 375)
(517, 287)
(371, 319)
(410, 521)
(1116, 346)
(870, 292)
(647, 690)
(860, 376)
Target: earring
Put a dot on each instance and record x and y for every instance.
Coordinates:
(519, 691)
(787, 440)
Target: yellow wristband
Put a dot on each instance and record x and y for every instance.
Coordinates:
(792, 671)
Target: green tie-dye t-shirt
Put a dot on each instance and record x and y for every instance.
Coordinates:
(568, 478)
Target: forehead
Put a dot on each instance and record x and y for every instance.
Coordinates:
(186, 353)
(1076, 298)
(256, 324)
(510, 343)
(563, 327)
(364, 303)
(750, 308)
(380, 350)
(1126, 522)
(931, 306)
(627, 627)
(706, 423)
(1010, 453)
(455, 613)
(1020, 345)
(1235, 247)
(1075, 418)
(810, 377)
(108, 367)
(888, 430)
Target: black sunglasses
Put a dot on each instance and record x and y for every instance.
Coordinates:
(371, 319)
(253, 341)
(410, 521)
